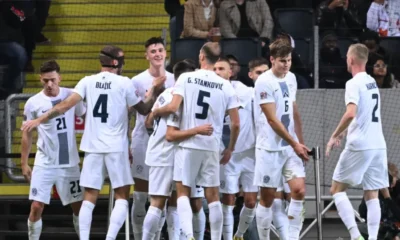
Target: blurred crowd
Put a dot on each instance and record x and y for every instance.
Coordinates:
(21, 24)
(341, 23)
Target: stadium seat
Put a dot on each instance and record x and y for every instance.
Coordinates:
(344, 44)
(298, 22)
(245, 49)
(304, 48)
(187, 48)
(391, 45)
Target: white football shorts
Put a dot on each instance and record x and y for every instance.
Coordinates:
(368, 167)
(65, 179)
(272, 165)
(97, 165)
(139, 168)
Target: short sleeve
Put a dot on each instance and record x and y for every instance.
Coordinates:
(179, 87)
(174, 120)
(264, 92)
(80, 109)
(80, 88)
(29, 113)
(352, 94)
(132, 95)
(232, 99)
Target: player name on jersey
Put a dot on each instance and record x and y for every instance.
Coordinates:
(106, 85)
(205, 83)
(371, 86)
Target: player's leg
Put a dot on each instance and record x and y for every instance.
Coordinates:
(229, 186)
(186, 167)
(199, 217)
(70, 191)
(372, 182)
(92, 179)
(267, 175)
(140, 173)
(208, 177)
(250, 192)
(294, 173)
(173, 226)
(279, 216)
(160, 189)
(117, 165)
(349, 171)
(40, 190)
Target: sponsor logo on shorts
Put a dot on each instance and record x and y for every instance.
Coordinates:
(34, 191)
(266, 179)
(139, 168)
(222, 184)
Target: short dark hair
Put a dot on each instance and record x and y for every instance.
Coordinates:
(232, 57)
(182, 67)
(257, 62)
(154, 40)
(280, 48)
(49, 66)
(225, 59)
(110, 50)
(211, 51)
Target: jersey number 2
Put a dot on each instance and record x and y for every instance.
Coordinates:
(61, 123)
(374, 117)
(100, 108)
(201, 103)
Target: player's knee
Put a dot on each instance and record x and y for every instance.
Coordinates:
(196, 204)
(250, 202)
(228, 199)
(299, 192)
(37, 208)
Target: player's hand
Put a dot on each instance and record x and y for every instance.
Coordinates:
(226, 156)
(205, 129)
(158, 82)
(302, 151)
(333, 142)
(30, 125)
(27, 172)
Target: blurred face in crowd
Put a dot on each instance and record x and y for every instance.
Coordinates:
(235, 69)
(257, 71)
(380, 69)
(281, 65)
(223, 69)
(371, 45)
(50, 81)
(156, 54)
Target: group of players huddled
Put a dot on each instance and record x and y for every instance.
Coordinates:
(197, 134)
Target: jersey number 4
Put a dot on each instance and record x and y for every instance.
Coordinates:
(100, 108)
(204, 105)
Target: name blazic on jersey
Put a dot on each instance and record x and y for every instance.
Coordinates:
(105, 85)
(205, 83)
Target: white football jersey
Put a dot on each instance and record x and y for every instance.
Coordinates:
(247, 138)
(108, 97)
(160, 152)
(206, 98)
(365, 131)
(282, 92)
(143, 82)
(56, 143)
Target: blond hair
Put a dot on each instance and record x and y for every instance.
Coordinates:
(359, 52)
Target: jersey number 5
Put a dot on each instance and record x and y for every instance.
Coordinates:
(374, 117)
(204, 105)
(100, 108)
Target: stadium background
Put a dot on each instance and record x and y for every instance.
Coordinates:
(78, 29)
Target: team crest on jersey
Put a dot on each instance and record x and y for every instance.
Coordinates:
(222, 184)
(139, 168)
(266, 179)
(175, 118)
(161, 100)
(263, 95)
(34, 191)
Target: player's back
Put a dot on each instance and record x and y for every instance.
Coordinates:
(206, 97)
(107, 96)
(365, 131)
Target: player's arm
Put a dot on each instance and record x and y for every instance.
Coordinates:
(297, 123)
(348, 116)
(235, 128)
(26, 145)
(144, 107)
(170, 108)
(149, 120)
(269, 110)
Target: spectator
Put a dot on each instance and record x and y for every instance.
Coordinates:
(378, 69)
(372, 40)
(175, 10)
(237, 74)
(12, 16)
(42, 8)
(341, 16)
(257, 67)
(332, 67)
(199, 19)
(246, 18)
(383, 17)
